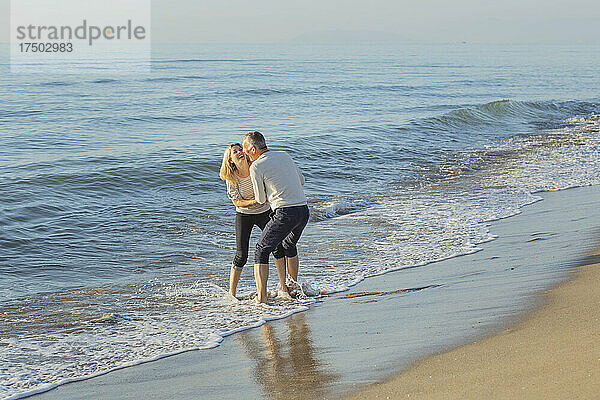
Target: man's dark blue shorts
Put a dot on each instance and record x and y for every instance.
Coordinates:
(285, 227)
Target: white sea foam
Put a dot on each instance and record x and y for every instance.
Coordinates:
(326, 209)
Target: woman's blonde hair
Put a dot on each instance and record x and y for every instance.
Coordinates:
(228, 168)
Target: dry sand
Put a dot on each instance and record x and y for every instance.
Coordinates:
(553, 354)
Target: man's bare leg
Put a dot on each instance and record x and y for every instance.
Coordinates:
(292, 267)
(282, 272)
(261, 276)
(234, 278)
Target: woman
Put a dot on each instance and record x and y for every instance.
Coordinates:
(235, 170)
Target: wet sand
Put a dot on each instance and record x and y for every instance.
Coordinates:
(553, 354)
(386, 324)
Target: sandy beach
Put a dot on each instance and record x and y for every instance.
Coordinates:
(553, 354)
(543, 343)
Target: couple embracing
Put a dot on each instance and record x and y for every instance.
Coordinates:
(266, 188)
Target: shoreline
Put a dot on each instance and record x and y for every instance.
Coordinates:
(550, 352)
(386, 330)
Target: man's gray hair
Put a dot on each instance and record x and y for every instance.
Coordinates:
(256, 139)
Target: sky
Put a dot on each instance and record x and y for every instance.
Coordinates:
(277, 21)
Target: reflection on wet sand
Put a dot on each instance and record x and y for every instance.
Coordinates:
(286, 366)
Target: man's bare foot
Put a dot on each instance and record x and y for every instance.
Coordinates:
(261, 300)
(291, 290)
(288, 290)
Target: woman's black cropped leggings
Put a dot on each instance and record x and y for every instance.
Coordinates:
(243, 228)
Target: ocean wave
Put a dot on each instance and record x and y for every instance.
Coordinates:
(163, 79)
(106, 80)
(195, 77)
(326, 209)
(57, 83)
(267, 91)
(205, 60)
(502, 112)
(401, 88)
(6, 114)
(330, 89)
(444, 209)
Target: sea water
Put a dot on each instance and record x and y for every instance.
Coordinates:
(116, 234)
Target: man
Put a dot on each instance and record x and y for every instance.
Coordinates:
(276, 179)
